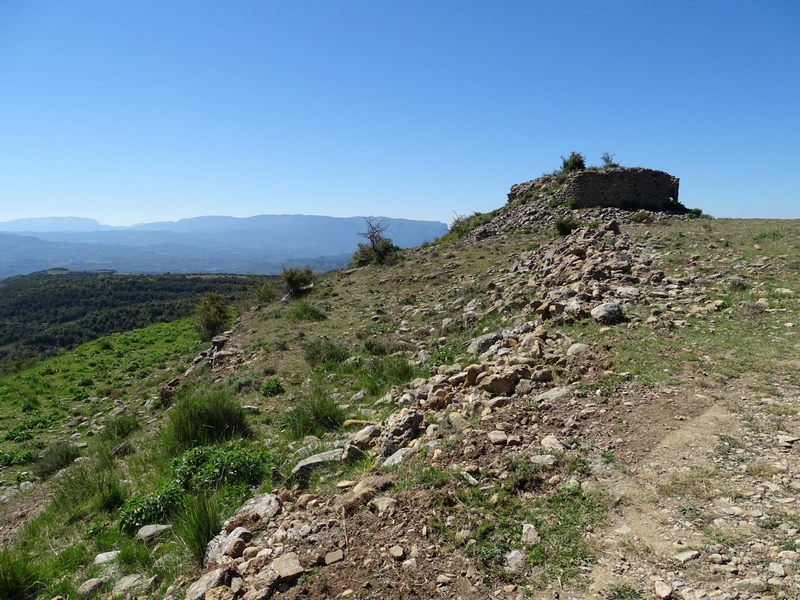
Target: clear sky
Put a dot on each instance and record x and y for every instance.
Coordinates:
(139, 110)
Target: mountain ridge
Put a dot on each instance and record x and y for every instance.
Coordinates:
(261, 244)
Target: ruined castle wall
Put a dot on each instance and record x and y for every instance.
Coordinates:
(627, 188)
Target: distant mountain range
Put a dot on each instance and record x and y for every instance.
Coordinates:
(214, 244)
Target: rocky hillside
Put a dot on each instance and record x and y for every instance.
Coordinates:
(605, 414)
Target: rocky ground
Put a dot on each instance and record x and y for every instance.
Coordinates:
(540, 461)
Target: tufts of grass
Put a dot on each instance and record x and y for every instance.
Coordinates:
(321, 350)
(312, 416)
(55, 458)
(624, 592)
(19, 577)
(197, 523)
(204, 419)
(305, 311)
(119, 428)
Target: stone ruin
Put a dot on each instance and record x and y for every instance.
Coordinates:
(623, 187)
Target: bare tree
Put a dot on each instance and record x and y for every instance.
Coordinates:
(380, 249)
(376, 227)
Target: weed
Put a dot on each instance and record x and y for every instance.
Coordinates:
(624, 592)
(571, 203)
(271, 387)
(641, 216)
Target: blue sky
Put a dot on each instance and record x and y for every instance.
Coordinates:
(141, 111)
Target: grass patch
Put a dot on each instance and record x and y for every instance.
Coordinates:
(203, 419)
(55, 458)
(305, 311)
(315, 415)
(322, 350)
(198, 523)
(19, 577)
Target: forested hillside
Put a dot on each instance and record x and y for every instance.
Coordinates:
(58, 309)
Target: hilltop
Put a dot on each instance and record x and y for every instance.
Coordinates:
(608, 412)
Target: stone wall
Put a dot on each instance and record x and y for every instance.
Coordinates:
(626, 188)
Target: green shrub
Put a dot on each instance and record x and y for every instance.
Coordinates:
(209, 467)
(197, 523)
(641, 216)
(571, 203)
(305, 311)
(321, 350)
(312, 416)
(383, 253)
(265, 292)
(56, 457)
(566, 226)
(200, 420)
(211, 316)
(298, 281)
(19, 577)
(271, 387)
(574, 162)
(154, 508)
(17, 457)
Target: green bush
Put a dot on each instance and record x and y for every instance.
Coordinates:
(298, 281)
(211, 316)
(200, 420)
(19, 577)
(209, 467)
(321, 350)
(574, 162)
(265, 292)
(641, 216)
(462, 225)
(56, 457)
(154, 508)
(383, 253)
(305, 311)
(197, 523)
(313, 416)
(271, 387)
(17, 457)
(571, 203)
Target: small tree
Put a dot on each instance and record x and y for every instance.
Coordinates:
(574, 162)
(211, 316)
(379, 249)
